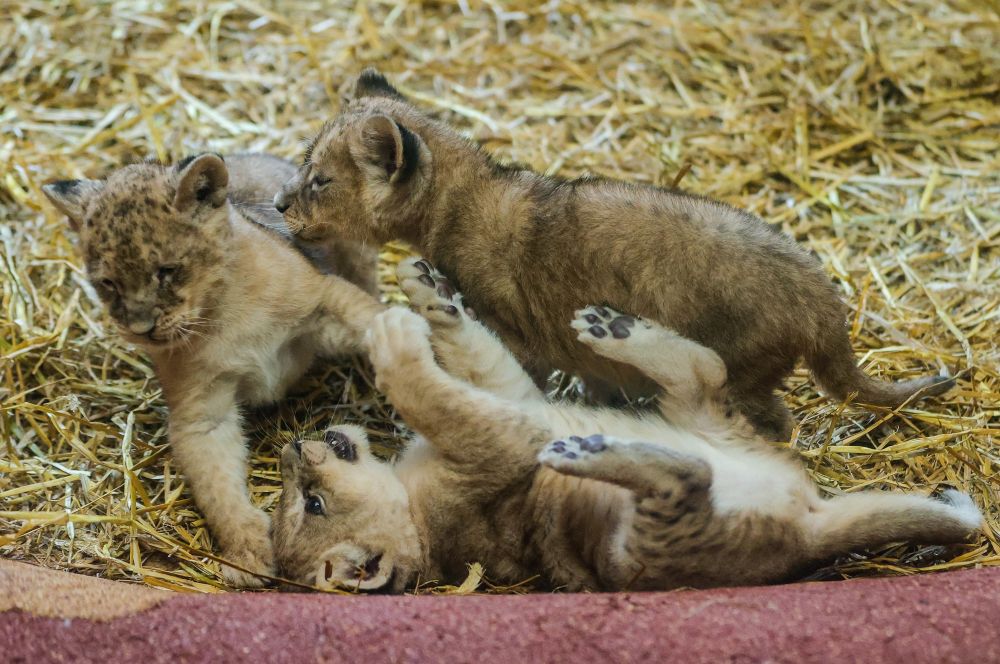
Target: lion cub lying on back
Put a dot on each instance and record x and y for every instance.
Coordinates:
(229, 312)
(691, 497)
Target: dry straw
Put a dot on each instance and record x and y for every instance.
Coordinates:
(867, 130)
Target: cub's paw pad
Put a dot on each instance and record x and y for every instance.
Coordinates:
(431, 294)
(603, 322)
(573, 451)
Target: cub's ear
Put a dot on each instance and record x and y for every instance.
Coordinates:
(371, 83)
(72, 197)
(201, 180)
(385, 149)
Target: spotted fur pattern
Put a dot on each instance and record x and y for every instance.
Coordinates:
(229, 312)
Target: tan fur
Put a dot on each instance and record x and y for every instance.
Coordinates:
(230, 314)
(687, 497)
(255, 178)
(527, 250)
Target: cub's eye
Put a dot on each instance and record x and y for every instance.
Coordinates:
(314, 504)
(166, 273)
(109, 285)
(319, 182)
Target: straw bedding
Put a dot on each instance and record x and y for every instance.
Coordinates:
(867, 130)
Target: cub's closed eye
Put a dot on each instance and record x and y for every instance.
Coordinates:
(319, 182)
(314, 504)
(108, 285)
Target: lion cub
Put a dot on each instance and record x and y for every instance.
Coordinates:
(688, 497)
(527, 250)
(230, 314)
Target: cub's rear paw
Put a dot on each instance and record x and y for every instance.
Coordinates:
(397, 337)
(575, 455)
(611, 333)
(965, 508)
(251, 550)
(430, 293)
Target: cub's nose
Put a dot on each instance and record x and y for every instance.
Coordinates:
(281, 202)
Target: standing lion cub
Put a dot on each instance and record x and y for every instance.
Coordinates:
(527, 250)
(230, 314)
(688, 497)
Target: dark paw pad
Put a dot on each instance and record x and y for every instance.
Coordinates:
(449, 309)
(444, 289)
(620, 326)
(594, 443)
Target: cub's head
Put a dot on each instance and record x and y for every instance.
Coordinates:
(344, 517)
(154, 243)
(366, 174)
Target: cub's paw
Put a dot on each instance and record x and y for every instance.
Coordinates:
(965, 509)
(431, 294)
(251, 550)
(397, 337)
(616, 335)
(596, 323)
(575, 455)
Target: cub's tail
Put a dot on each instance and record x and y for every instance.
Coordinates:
(834, 367)
(864, 520)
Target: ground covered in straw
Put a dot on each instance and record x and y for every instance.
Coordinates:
(867, 130)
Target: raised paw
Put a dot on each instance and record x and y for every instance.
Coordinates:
(574, 455)
(604, 322)
(397, 337)
(430, 293)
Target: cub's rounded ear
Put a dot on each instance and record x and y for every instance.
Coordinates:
(385, 149)
(201, 180)
(371, 83)
(71, 197)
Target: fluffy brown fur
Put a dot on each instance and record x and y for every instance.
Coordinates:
(527, 250)
(688, 497)
(229, 312)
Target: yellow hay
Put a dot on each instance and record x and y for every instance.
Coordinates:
(867, 130)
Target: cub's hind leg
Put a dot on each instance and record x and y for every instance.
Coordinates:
(692, 376)
(874, 518)
(672, 512)
(465, 348)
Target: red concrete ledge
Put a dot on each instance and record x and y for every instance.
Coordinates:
(950, 617)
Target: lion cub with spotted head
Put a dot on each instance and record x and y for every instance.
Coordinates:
(688, 497)
(230, 313)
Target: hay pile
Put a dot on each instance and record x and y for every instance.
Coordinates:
(868, 130)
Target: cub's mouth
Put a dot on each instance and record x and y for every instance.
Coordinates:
(370, 575)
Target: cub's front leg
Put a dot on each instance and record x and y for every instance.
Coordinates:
(346, 312)
(672, 508)
(466, 349)
(491, 440)
(207, 443)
